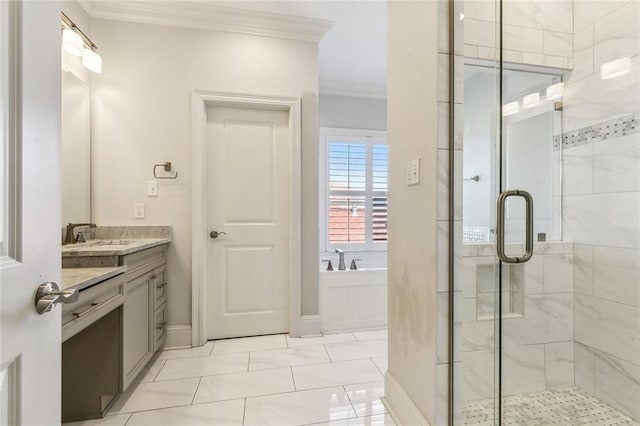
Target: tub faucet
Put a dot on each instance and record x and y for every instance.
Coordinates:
(341, 265)
(353, 266)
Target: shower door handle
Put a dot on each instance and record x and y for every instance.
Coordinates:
(502, 200)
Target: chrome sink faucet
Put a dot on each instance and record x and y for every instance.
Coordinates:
(341, 265)
(72, 235)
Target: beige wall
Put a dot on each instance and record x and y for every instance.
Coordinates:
(141, 116)
(412, 133)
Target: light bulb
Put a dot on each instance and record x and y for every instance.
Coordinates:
(92, 61)
(613, 69)
(555, 91)
(510, 108)
(72, 42)
(531, 100)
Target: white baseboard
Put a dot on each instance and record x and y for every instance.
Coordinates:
(178, 337)
(402, 409)
(310, 325)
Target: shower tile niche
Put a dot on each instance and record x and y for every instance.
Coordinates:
(486, 291)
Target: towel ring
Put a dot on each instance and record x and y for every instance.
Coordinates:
(167, 168)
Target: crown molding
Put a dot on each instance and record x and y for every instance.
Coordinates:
(207, 16)
(352, 89)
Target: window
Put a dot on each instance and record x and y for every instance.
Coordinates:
(354, 202)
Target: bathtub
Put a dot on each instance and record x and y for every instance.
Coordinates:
(353, 300)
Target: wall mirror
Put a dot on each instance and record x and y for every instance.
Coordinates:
(76, 149)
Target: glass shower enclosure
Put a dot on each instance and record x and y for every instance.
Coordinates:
(549, 322)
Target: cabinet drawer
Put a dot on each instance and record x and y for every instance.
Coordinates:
(93, 303)
(159, 327)
(144, 258)
(159, 286)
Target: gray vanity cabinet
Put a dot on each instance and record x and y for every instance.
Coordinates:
(144, 324)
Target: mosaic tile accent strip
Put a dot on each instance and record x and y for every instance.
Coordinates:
(567, 405)
(608, 130)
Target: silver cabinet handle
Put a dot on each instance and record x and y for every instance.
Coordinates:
(161, 285)
(161, 325)
(502, 198)
(81, 313)
(48, 294)
(216, 234)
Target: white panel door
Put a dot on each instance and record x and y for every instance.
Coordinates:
(30, 344)
(248, 166)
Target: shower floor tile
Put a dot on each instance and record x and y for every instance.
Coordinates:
(562, 406)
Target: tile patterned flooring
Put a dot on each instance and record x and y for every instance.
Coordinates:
(567, 405)
(336, 379)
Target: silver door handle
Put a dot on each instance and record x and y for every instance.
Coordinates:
(528, 252)
(216, 234)
(48, 294)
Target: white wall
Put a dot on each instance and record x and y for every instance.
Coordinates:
(353, 113)
(141, 116)
(412, 91)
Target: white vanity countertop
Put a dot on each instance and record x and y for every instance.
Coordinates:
(82, 278)
(113, 247)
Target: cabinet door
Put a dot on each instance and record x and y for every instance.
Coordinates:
(138, 347)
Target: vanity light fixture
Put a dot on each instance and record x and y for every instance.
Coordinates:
(72, 42)
(531, 100)
(78, 44)
(510, 108)
(92, 61)
(555, 91)
(616, 68)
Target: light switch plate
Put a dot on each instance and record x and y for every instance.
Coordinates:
(413, 172)
(152, 188)
(138, 210)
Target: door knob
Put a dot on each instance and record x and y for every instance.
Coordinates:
(48, 294)
(216, 234)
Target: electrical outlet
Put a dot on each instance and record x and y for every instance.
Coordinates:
(413, 172)
(152, 188)
(138, 210)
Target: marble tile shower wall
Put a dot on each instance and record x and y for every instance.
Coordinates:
(536, 32)
(607, 324)
(537, 333)
(601, 202)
